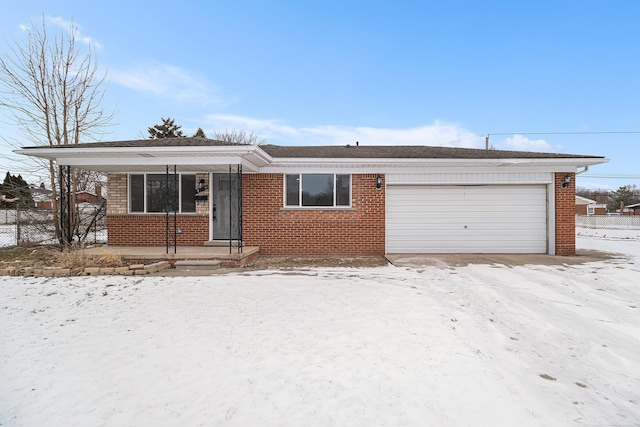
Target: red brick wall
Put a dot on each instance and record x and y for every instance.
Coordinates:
(600, 211)
(581, 209)
(565, 215)
(149, 230)
(358, 231)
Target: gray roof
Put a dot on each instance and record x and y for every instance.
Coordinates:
(404, 152)
(137, 143)
(338, 151)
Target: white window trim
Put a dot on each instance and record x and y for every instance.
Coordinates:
(300, 206)
(144, 190)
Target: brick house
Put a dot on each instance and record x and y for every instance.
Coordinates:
(585, 206)
(333, 200)
(634, 209)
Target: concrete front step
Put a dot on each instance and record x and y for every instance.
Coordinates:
(197, 264)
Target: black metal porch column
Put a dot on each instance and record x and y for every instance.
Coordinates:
(239, 181)
(66, 232)
(171, 202)
(235, 208)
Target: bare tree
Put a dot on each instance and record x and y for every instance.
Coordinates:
(241, 137)
(54, 92)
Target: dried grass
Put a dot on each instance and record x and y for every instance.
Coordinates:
(78, 258)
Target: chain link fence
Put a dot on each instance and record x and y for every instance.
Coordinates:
(610, 222)
(19, 226)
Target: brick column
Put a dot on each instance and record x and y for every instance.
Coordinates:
(117, 194)
(565, 214)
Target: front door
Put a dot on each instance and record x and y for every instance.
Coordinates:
(225, 206)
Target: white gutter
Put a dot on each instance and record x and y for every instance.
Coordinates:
(568, 162)
(263, 162)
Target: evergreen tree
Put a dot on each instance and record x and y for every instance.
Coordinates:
(168, 129)
(626, 194)
(199, 134)
(15, 190)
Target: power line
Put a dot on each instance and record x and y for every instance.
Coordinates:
(630, 132)
(611, 176)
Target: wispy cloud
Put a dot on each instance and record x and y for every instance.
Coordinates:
(439, 133)
(522, 143)
(167, 81)
(71, 27)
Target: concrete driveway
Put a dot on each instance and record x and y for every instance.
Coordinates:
(457, 260)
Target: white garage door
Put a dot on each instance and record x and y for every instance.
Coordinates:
(466, 219)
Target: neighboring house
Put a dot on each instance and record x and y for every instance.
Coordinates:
(586, 206)
(94, 198)
(581, 205)
(334, 200)
(633, 209)
(41, 196)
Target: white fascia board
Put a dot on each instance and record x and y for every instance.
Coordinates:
(576, 162)
(251, 157)
(419, 165)
(70, 151)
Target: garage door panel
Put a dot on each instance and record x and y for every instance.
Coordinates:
(466, 219)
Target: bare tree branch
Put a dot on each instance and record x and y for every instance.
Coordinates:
(53, 91)
(238, 136)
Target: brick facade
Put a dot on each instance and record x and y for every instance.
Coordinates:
(117, 191)
(565, 201)
(149, 230)
(357, 231)
(581, 209)
(278, 230)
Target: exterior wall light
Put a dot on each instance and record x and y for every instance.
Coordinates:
(201, 191)
(567, 181)
(379, 182)
(201, 186)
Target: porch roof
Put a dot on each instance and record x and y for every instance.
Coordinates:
(205, 155)
(153, 155)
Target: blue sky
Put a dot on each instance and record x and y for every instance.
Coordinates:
(403, 72)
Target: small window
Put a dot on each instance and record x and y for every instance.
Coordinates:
(148, 193)
(318, 190)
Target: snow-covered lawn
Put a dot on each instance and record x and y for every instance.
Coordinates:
(491, 345)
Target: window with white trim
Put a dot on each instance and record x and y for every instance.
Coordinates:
(148, 193)
(317, 190)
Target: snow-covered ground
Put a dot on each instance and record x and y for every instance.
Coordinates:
(491, 345)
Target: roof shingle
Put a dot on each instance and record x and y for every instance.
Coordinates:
(336, 151)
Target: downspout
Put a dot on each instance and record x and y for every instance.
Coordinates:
(586, 168)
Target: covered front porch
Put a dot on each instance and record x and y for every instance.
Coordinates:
(167, 196)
